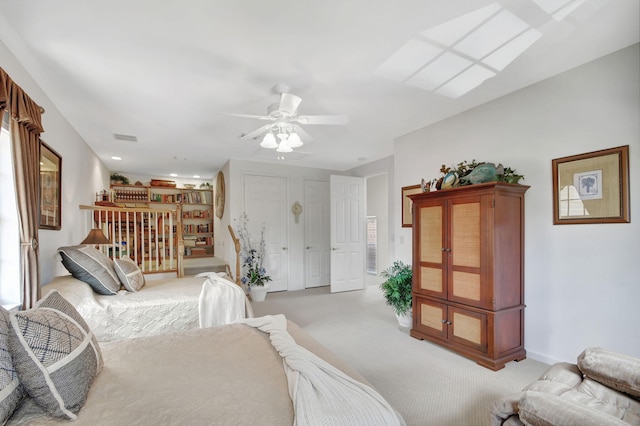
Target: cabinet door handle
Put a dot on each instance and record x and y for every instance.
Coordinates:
(448, 322)
(444, 321)
(445, 249)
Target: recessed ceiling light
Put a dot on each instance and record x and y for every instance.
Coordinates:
(116, 158)
(173, 174)
(196, 176)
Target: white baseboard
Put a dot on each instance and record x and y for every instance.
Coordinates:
(542, 357)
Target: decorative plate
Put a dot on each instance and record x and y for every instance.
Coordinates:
(450, 179)
(220, 195)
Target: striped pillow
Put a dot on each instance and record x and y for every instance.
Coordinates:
(129, 274)
(91, 266)
(55, 354)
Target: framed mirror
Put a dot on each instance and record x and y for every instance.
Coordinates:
(50, 188)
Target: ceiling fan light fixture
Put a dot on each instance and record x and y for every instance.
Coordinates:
(269, 141)
(294, 140)
(284, 147)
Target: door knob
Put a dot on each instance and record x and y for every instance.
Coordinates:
(333, 248)
(308, 247)
(284, 248)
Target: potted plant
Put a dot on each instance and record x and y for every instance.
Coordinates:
(254, 274)
(117, 178)
(397, 291)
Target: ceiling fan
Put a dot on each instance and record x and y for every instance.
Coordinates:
(284, 133)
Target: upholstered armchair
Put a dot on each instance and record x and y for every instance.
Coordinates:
(603, 388)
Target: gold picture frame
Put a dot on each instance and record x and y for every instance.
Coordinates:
(50, 188)
(407, 204)
(592, 187)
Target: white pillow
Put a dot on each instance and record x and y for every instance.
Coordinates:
(129, 274)
(55, 354)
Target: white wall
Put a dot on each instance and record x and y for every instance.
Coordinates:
(581, 281)
(83, 174)
(296, 176)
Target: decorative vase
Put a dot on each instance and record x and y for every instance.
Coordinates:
(259, 292)
(406, 320)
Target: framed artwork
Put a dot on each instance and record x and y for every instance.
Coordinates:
(50, 188)
(592, 187)
(407, 204)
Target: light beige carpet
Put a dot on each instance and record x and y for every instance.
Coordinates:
(427, 384)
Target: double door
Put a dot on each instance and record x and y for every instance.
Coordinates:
(468, 274)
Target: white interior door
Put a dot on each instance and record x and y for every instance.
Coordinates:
(265, 201)
(316, 237)
(347, 216)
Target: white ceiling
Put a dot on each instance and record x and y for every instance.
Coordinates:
(164, 71)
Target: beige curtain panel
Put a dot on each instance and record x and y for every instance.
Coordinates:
(26, 127)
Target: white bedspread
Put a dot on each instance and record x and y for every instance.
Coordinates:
(161, 306)
(321, 393)
(221, 301)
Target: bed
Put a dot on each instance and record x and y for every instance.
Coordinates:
(161, 306)
(231, 374)
(119, 303)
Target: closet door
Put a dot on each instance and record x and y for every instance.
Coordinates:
(316, 233)
(265, 201)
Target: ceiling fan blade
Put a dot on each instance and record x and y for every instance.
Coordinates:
(289, 103)
(322, 119)
(256, 132)
(259, 117)
(306, 137)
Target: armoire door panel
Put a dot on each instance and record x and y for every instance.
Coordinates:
(468, 328)
(466, 286)
(430, 317)
(431, 279)
(465, 234)
(431, 243)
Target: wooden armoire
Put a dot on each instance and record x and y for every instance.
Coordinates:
(468, 271)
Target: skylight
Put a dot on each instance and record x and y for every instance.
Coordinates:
(558, 9)
(457, 56)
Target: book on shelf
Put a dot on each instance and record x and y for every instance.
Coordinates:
(197, 197)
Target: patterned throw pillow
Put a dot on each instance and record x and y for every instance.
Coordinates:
(91, 266)
(55, 354)
(129, 274)
(11, 390)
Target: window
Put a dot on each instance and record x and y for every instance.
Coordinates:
(9, 236)
(372, 245)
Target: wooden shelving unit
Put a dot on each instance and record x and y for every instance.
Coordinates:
(196, 206)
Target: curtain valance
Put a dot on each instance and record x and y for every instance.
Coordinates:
(21, 107)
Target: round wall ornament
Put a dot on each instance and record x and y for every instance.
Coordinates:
(296, 209)
(219, 195)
